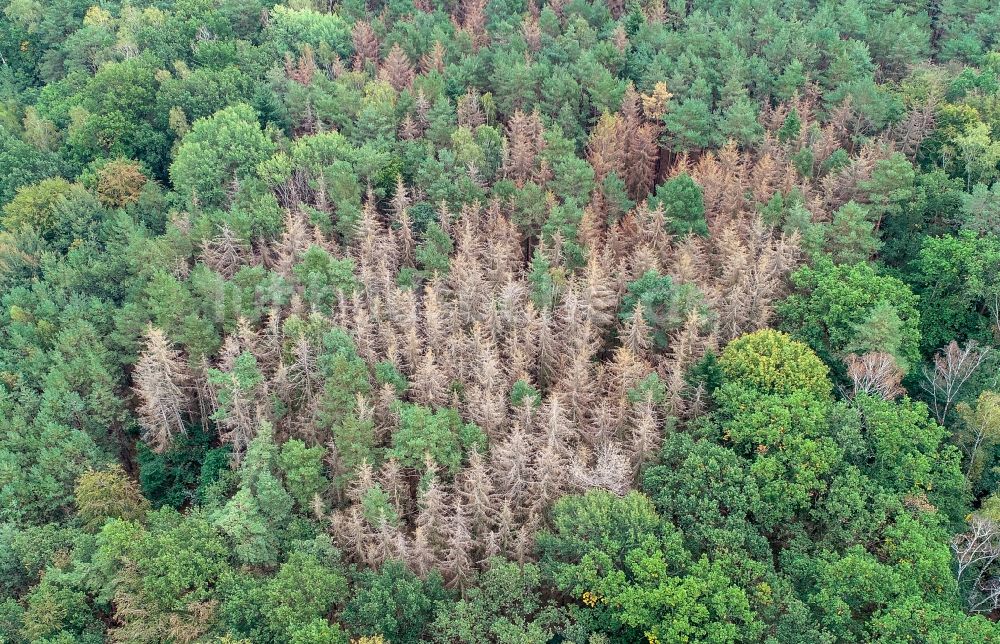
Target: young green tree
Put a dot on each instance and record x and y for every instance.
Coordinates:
(108, 494)
(665, 305)
(682, 203)
(393, 603)
(831, 302)
(630, 568)
(505, 605)
(440, 434)
(219, 152)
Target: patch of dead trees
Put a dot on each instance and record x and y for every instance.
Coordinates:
(477, 330)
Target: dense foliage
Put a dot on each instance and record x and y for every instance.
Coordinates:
(475, 321)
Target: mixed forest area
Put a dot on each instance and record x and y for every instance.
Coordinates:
(468, 321)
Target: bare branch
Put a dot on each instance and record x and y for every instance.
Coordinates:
(953, 366)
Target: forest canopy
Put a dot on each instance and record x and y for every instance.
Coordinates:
(513, 321)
